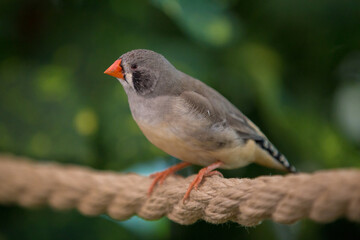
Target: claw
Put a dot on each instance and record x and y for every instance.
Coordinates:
(205, 172)
(160, 177)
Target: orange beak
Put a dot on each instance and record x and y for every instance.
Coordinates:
(115, 70)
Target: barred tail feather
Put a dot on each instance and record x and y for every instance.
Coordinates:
(272, 151)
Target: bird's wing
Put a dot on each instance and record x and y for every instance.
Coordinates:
(217, 111)
(201, 106)
(200, 121)
(243, 126)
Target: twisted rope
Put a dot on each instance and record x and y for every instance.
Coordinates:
(322, 196)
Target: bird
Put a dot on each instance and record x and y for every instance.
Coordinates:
(189, 120)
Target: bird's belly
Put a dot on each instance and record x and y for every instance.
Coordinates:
(185, 150)
(162, 137)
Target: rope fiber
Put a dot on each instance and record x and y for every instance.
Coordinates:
(322, 196)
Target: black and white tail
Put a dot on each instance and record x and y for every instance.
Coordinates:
(269, 147)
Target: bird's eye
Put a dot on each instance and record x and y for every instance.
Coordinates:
(133, 66)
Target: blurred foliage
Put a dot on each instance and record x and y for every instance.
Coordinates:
(293, 67)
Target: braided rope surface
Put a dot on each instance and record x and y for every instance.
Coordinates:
(322, 196)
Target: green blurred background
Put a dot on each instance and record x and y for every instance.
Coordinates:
(293, 67)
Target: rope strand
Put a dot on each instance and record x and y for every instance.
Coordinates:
(322, 196)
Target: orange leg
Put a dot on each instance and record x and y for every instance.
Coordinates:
(206, 171)
(160, 177)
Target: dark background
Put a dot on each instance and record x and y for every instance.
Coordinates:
(293, 67)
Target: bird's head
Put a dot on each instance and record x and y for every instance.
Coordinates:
(140, 71)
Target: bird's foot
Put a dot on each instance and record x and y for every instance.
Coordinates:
(204, 172)
(160, 177)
